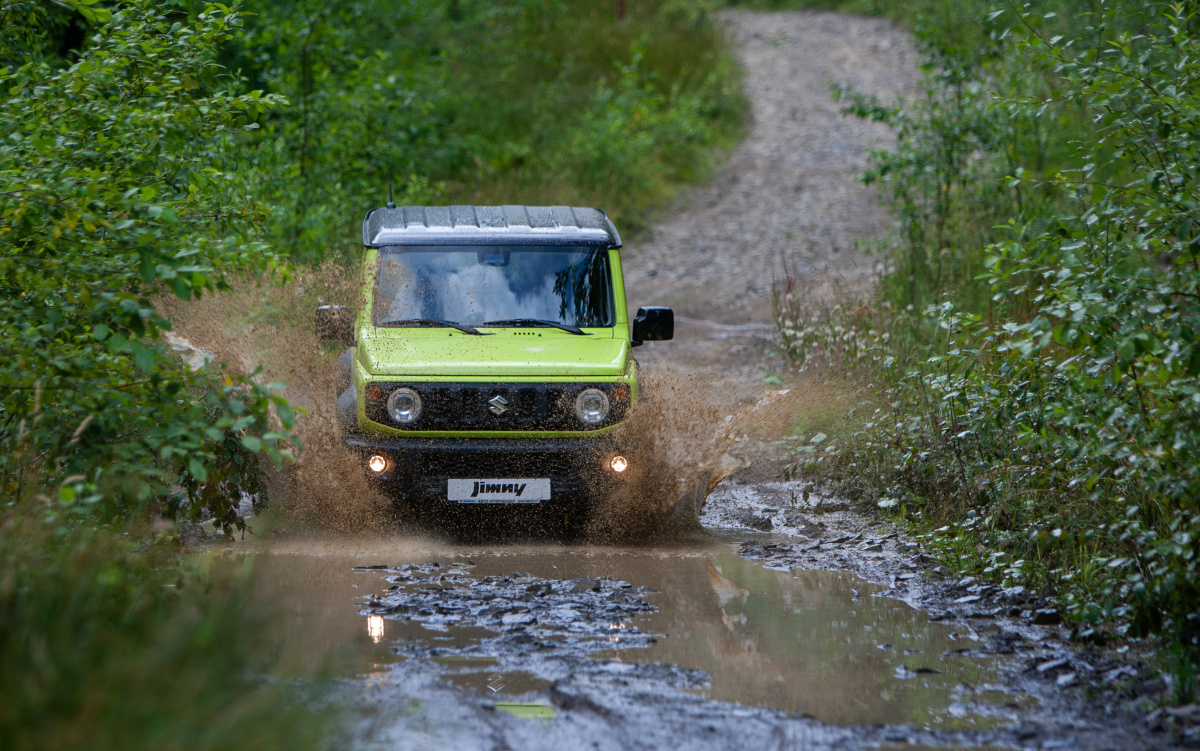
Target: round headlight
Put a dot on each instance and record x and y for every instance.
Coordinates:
(591, 406)
(404, 405)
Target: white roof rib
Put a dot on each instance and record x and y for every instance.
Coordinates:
(488, 225)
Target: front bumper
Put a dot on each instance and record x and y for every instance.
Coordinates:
(578, 468)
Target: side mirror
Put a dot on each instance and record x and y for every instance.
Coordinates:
(653, 324)
(335, 323)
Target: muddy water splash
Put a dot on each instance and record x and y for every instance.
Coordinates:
(266, 325)
(676, 436)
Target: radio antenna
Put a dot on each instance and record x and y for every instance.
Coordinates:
(390, 204)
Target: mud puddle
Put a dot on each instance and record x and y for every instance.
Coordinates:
(587, 629)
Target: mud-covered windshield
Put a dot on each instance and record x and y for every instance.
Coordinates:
(477, 285)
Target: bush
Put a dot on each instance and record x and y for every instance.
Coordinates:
(109, 198)
(1045, 408)
(536, 101)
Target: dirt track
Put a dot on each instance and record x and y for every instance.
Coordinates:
(787, 193)
(788, 190)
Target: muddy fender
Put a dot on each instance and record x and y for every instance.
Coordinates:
(347, 411)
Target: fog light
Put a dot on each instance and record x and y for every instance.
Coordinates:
(377, 464)
(618, 464)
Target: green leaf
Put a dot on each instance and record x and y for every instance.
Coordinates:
(143, 356)
(197, 470)
(182, 288)
(1193, 363)
(287, 416)
(94, 16)
(147, 269)
(252, 443)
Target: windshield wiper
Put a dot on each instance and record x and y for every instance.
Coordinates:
(538, 322)
(432, 322)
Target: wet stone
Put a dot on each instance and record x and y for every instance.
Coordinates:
(520, 608)
(749, 519)
(1053, 665)
(801, 522)
(1046, 617)
(585, 585)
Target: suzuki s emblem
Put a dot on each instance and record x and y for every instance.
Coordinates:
(497, 405)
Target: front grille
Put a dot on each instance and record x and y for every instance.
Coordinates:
(468, 406)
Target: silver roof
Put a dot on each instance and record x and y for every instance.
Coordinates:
(488, 225)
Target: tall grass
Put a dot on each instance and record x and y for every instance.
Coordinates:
(107, 645)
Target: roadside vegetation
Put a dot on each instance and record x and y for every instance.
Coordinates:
(167, 150)
(529, 102)
(1033, 344)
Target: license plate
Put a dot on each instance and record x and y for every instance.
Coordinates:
(498, 491)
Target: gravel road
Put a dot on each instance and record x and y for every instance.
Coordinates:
(788, 191)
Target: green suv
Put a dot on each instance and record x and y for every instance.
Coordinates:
(491, 361)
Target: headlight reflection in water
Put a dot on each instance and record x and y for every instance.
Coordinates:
(375, 628)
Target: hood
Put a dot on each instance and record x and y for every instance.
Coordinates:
(527, 352)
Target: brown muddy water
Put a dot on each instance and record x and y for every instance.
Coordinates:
(523, 623)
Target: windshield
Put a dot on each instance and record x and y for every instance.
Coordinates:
(479, 284)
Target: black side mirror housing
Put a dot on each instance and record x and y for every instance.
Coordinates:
(335, 323)
(653, 324)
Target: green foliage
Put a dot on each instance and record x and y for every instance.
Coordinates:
(536, 101)
(109, 197)
(1047, 403)
(44, 31)
(103, 647)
